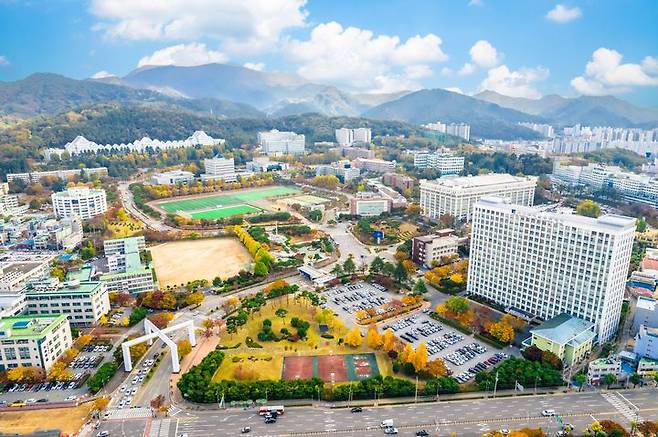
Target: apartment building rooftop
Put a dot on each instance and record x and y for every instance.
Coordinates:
(28, 327)
(477, 181)
(566, 329)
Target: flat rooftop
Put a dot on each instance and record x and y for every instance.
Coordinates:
(20, 268)
(565, 329)
(28, 327)
(479, 181)
(646, 303)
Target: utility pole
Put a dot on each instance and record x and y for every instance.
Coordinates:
(416, 394)
(495, 384)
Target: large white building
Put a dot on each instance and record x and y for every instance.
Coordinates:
(546, 130)
(125, 271)
(82, 202)
(276, 143)
(577, 138)
(457, 195)
(632, 186)
(346, 136)
(646, 343)
(33, 341)
(374, 165)
(82, 145)
(369, 205)
(15, 275)
(64, 175)
(263, 164)
(545, 262)
(173, 177)
(124, 245)
(446, 163)
(461, 130)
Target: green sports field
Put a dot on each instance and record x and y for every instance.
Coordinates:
(224, 212)
(224, 205)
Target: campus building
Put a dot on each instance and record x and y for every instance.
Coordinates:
(545, 262)
(275, 143)
(447, 164)
(457, 195)
(82, 145)
(568, 337)
(173, 177)
(349, 152)
(343, 170)
(346, 137)
(52, 234)
(124, 245)
(82, 202)
(646, 343)
(33, 341)
(429, 249)
(646, 313)
(65, 175)
(398, 181)
(369, 205)
(15, 275)
(221, 168)
(82, 302)
(262, 164)
(11, 304)
(374, 165)
(125, 271)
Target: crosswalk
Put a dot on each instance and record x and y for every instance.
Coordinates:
(160, 428)
(128, 413)
(623, 406)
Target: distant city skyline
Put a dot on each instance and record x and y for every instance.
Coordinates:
(516, 48)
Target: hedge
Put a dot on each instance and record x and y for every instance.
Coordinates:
(102, 376)
(388, 386)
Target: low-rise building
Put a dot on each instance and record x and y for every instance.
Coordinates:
(346, 136)
(262, 164)
(124, 245)
(374, 165)
(14, 275)
(173, 177)
(82, 202)
(349, 152)
(343, 170)
(82, 302)
(647, 367)
(63, 234)
(11, 304)
(429, 249)
(398, 181)
(448, 164)
(125, 271)
(64, 175)
(597, 369)
(33, 341)
(568, 337)
(646, 313)
(646, 343)
(369, 205)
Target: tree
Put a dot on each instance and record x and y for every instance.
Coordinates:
(400, 273)
(641, 224)
(457, 304)
(184, 348)
(609, 379)
(532, 353)
(261, 269)
(409, 266)
(157, 402)
(102, 320)
(281, 313)
(377, 265)
(412, 210)
(420, 357)
(588, 208)
(353, 338)
(373, 338)
(88, 251)
(25, 374)
(337, 270)
(407, 355)
(420, 287)
(59, 273)
(195, 298)
(501, 331)
(580, 380)
(635, 379)
(59, 371)
(329, 182)
(388, 340)
(348, 266)
(208, 325)
(101, 403)
(161, 320)
(437, 368)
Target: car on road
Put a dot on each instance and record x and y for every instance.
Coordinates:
(31, 401)
(71, 398)
(388, 423)
(390, 430)
(270, 420)
(356, 410)
(548, 413)
(504, 431)
(103, 434)
(245, 430)
(42, 400)
(17, 404)
(422, 433)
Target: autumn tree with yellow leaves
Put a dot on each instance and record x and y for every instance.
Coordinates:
(420, 357)
(373, 338)
(353, 338)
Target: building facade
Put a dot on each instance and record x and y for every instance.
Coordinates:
(33, 341)
(346, 137)
(646, 313)
(369, 205)
(82, 202)
(570, 338)
(429, 249)
(173, 177)
(275, 143)
(545, 262)
(457, 195)
(398, 181)
(374, 165)
(646, 343)
(447, 164)
(124, 245)
(11, 304)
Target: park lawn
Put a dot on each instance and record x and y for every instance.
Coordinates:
(263, 368)
(126, 228)
(221, 213)
(66, 420)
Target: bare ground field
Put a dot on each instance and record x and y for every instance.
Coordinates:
(177, 262)
(67, 420)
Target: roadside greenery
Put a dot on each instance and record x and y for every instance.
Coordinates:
(104, 373)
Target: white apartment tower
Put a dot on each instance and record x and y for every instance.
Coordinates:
(82, 202)
(275, 143)
(545, 262)
(446, 163)
(457, 195)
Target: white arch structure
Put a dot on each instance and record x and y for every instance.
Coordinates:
(152, 332)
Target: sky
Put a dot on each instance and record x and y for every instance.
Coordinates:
(521, 48)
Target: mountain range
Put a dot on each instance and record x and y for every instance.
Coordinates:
(229, 91)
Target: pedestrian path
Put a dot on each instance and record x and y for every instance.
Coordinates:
(128, 413)
(624, 407)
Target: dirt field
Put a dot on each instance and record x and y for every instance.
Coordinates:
(67, 420)
(178, 262)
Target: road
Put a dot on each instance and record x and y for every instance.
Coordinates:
(465, 418)
(128, 203)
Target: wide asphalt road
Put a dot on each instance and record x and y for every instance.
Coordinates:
(465, 418)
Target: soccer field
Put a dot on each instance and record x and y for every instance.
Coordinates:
(224, 212)
(224, 205)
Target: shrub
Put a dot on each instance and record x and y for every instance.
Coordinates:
(102, 376)
(251, 343)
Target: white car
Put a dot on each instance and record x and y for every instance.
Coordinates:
(71, 398)
(31, 401)
(548, 413)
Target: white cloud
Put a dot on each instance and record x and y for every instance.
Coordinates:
(358, 59)
(102, 75)
(4, 60)
(258, 66)
(185, 55)
(454, 89)
(605, 74)
(446, 72)
(563, 14)
(245, 26)
(483, 55)
(514, 83)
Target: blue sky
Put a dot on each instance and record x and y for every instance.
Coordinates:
(523, 48)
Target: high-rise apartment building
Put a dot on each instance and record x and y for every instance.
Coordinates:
(446, 163)
(345, 136)
(82, 202)
(456, 195)
(545, 262)
(277, 143)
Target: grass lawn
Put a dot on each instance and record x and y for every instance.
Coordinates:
(264, 193)
(124, 229)
(66, 420)
(196, 203)
(313, 345)
(224, 212)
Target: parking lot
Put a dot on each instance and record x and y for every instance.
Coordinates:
(126, 393)
(346, 300)
(463, 355)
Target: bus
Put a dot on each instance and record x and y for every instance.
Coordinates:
(278, 409)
